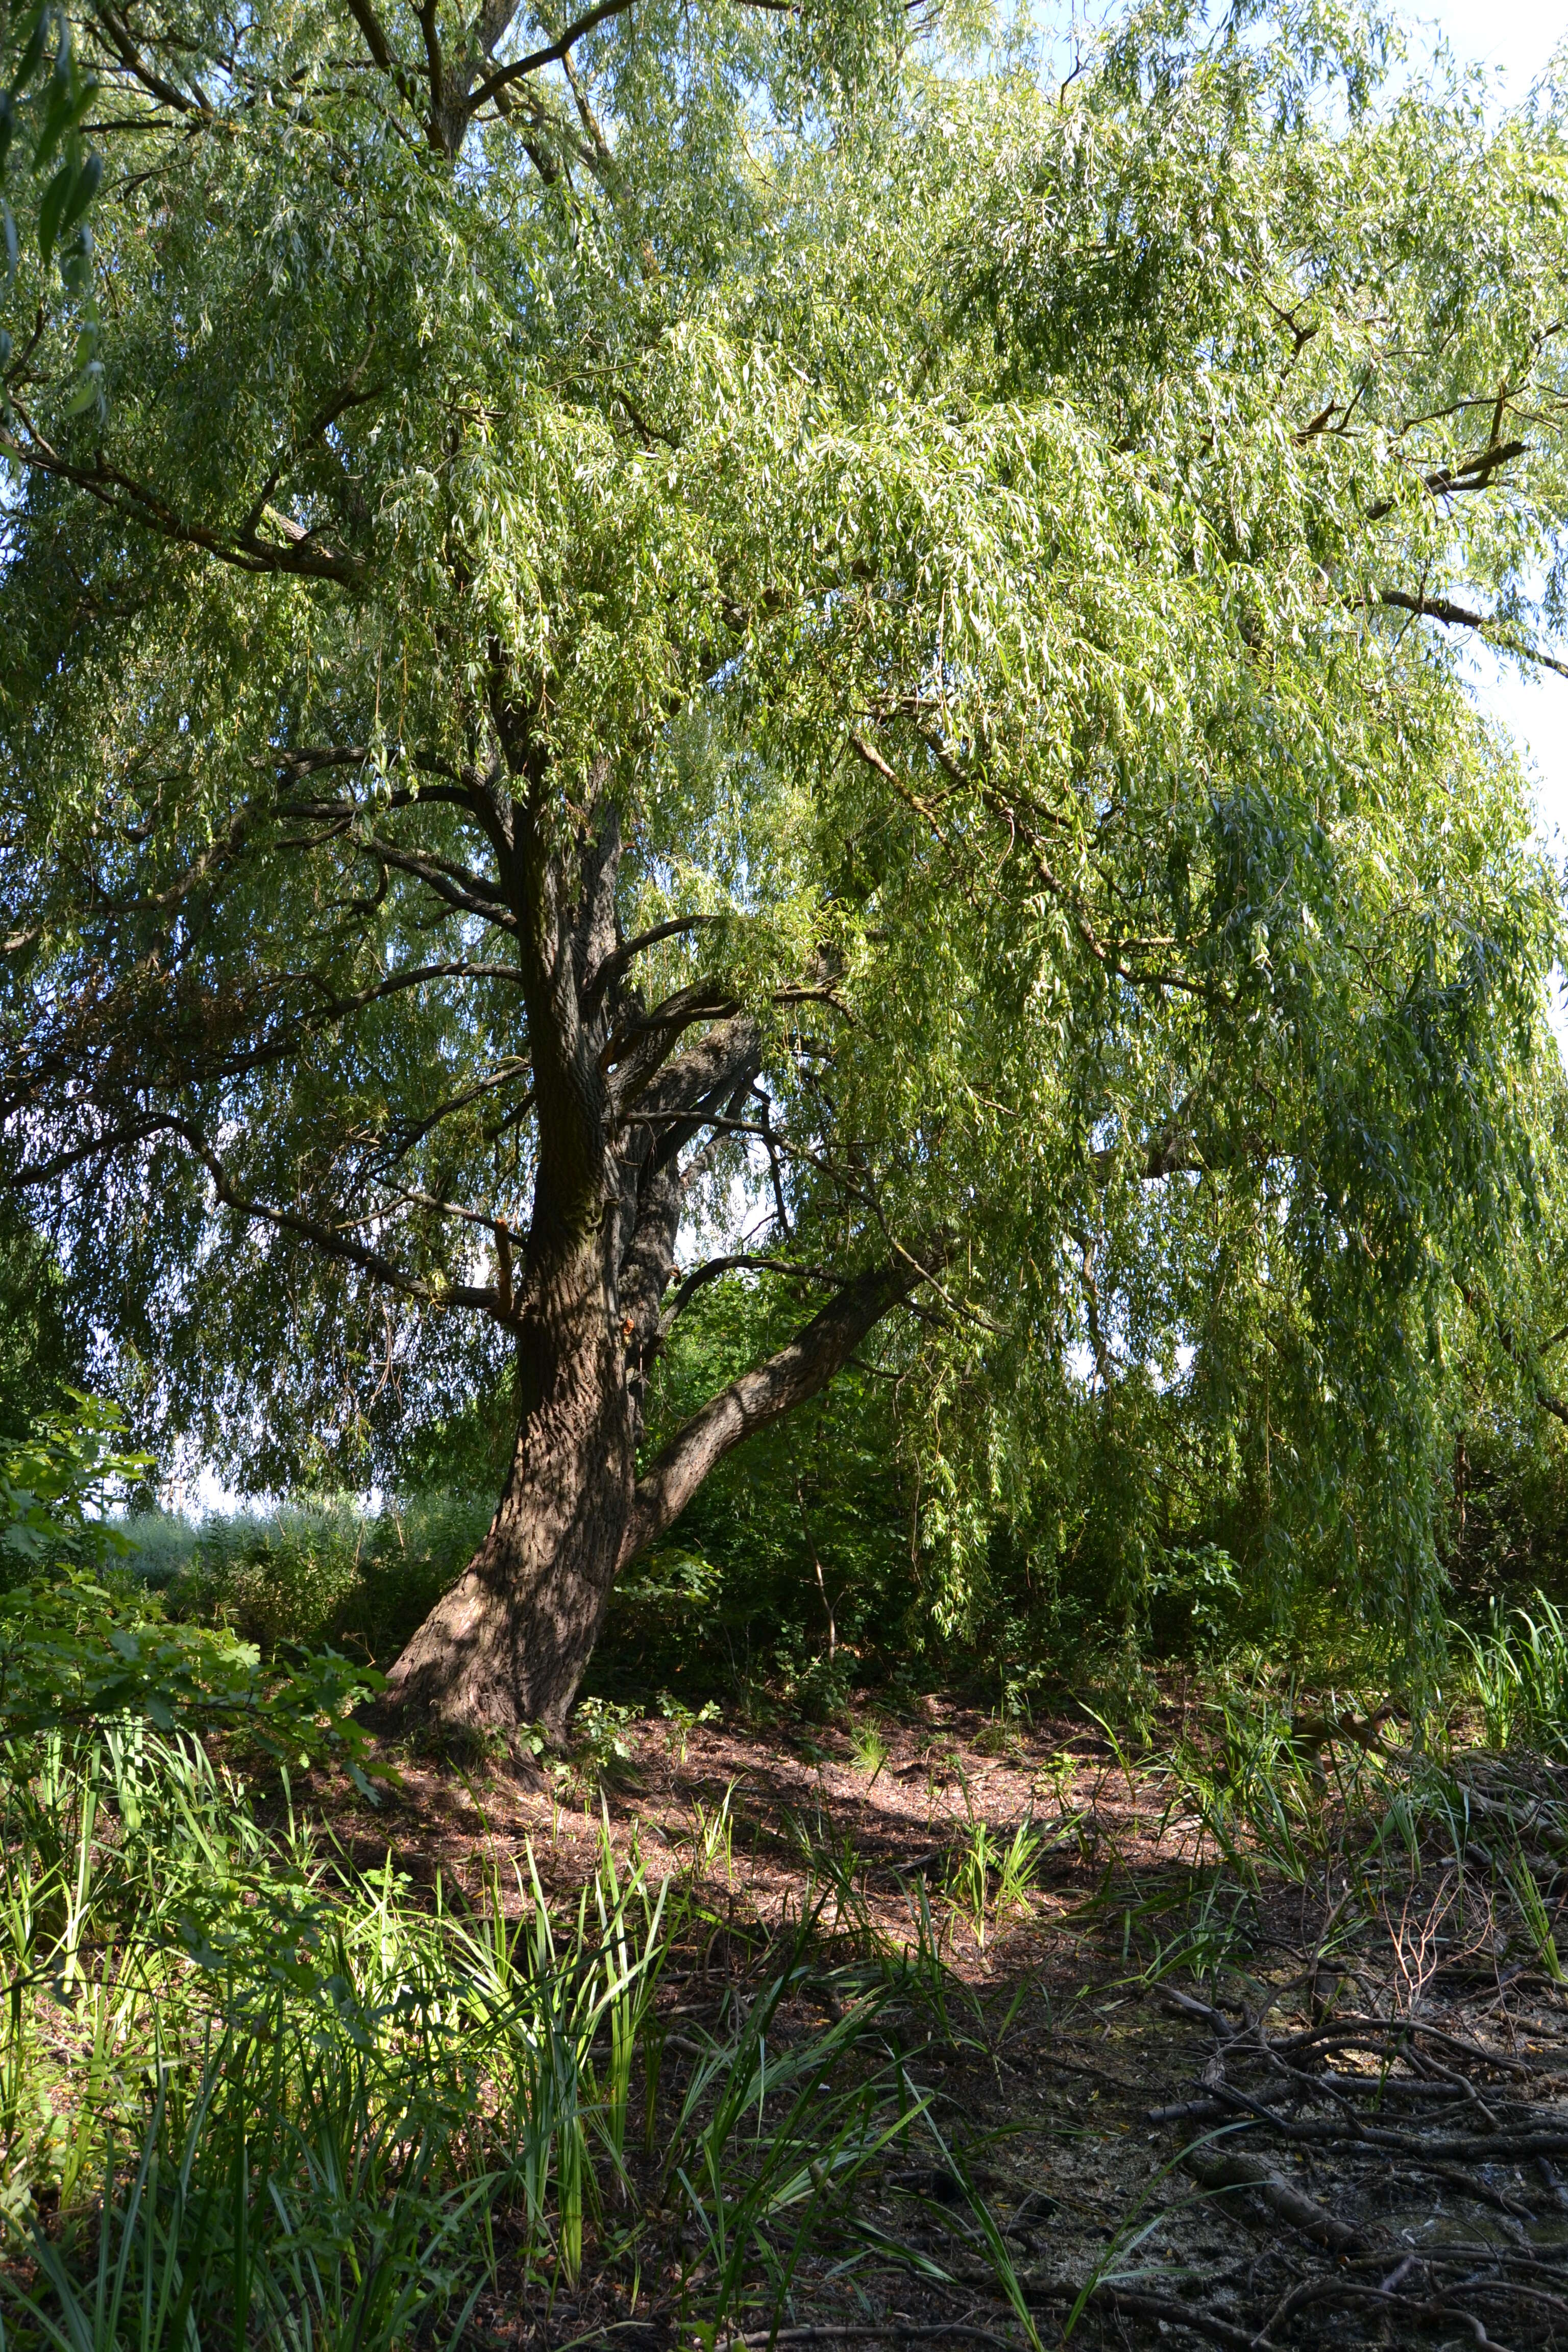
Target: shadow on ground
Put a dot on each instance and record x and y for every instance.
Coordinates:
(1256, 2040)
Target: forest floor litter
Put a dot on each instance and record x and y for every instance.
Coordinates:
(1255, 2039)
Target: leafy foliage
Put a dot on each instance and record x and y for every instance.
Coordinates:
(81, 1648)
(999, 552)
(41, 1355)
(47, 168)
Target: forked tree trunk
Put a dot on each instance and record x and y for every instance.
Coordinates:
(507, 1646)
(509, 1643)
(617, 1107)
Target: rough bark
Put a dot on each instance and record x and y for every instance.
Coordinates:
(624, 1096)
(508, 1645)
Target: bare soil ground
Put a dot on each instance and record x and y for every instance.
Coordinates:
(1179, 2103)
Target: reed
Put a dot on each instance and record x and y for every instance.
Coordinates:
(249, 2097)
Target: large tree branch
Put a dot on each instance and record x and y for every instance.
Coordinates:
(554, 51)
(469, 893)
(464, 796)
(136, 65)
(501, 85)
(376, 42)
(375, 39)
(714, 1077)
(639, 1052)
(803, 1366)
(300, 554)
(1461, 616)
(331, 1240)
(1472, 473)
(687, 1092)
(615, 966)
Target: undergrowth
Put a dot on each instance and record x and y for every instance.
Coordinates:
(249, 2096)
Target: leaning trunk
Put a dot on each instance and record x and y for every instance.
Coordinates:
(508, 1645)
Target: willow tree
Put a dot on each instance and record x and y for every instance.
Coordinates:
(710, 625)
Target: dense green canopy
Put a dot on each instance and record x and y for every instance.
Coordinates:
(1004, 554)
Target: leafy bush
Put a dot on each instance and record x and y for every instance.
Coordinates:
(161, 1547)
(316, 1570)
(54, 1488)
(85, 1647)
(278, 1576)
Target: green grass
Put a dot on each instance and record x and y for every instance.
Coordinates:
(1518, 1672)
(251, 2098)
(1364, 1811)
(867, 1747)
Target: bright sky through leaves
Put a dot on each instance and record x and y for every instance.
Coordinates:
(1515, 40)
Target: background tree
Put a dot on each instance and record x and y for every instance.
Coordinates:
(694, 629)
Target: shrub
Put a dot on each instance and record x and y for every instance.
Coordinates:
(322, 1569)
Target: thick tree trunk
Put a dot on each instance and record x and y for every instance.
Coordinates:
(507, 1646)
(616, 1113)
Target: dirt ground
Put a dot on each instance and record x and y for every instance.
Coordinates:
(1328, 2107)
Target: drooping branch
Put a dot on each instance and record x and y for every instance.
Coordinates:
(410, 1135)
(352, 394)
(298, 553)
(1169, 1151)
(1461, 616)
(1518, 1354)
(770, 1145)
(737, 1261)
(1110, 954)
(801, 1369)
(331, 1240)
(24, 1078)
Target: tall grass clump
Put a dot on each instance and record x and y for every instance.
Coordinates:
(248, 2095)
(259, 2098)
(1519, 1671)
(253, 2095)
